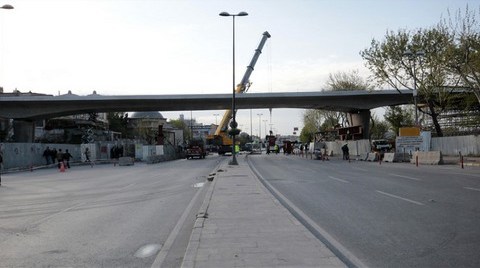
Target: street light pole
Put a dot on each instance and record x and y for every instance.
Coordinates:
(233, 124)
(265, 125)
(216, 118)
(260, 127)
(6, 6)
(412, 58)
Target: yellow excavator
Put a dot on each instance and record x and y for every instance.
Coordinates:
(221, 140)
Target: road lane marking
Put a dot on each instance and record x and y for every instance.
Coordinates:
(42, 220)
(162, 254)
(362, 169)
(337, 179)
(405, 177)
(473, 189)
(401, 198)
(125, 187)
(466, 174)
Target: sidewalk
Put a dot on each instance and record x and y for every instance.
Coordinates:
(245, 226)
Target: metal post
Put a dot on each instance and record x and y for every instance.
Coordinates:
(234, 112)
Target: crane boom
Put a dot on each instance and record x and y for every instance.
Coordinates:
(243, 83)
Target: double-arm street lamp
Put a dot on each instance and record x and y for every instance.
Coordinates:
(412, 58)
(233, 124)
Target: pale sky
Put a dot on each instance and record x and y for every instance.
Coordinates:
(142, 47)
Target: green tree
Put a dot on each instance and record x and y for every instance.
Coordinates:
(347, 81)
(118, 122)
(378, 128)
(429, 74)
(180, 124)
(243, 138)
(463, 58)
(398, 117)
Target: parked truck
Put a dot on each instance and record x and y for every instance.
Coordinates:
(196, 148)
(271, 143)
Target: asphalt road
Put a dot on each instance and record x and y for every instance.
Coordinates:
(101, 216)
(388, 215)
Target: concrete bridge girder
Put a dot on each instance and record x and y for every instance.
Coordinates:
(357, 103)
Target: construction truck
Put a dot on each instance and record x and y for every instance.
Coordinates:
(220, 139)
(196, 148)
(271, 143)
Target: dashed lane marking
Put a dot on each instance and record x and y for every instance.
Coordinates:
(405, 177)
(401, 198)
(473, 189)
(337, 179)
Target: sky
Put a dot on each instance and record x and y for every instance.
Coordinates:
(155, 47)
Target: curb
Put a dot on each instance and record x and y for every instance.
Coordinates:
(194, 242)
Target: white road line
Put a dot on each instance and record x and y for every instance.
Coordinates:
(42, 220)
(337, 179)
(401, 198)
(173, 235)
(362, 169)
(473, 189)
(405, 177)
(466, 174)
(125, 187)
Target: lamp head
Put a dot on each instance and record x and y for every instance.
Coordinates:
(7, 6)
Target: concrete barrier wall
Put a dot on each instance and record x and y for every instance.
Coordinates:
(389, 157)
(372, 157)
(427, 158)
(467, 145)
(358, 147)
(27, 155)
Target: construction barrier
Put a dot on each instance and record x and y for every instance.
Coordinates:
(363, 157)
(389, 157)
(126, 161)
(372, 157)
(427, 158)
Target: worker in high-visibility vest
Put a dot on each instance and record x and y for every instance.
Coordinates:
(237, 148)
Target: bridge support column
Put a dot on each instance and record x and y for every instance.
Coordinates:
(24, 131)
(361, 118)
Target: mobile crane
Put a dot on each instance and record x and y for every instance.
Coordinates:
(221, 139)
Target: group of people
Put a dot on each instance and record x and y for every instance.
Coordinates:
(52, 155)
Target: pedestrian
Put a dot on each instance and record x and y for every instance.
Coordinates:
(114, 154)
(1, 167)
(48, 155)
(60, 158)
(87, 155)
(66, 158)
(346, 154)
(53, 155)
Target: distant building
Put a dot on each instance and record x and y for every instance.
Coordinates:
(145, 125)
